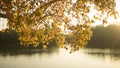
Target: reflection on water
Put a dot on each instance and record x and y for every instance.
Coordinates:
(59, 58)
(27, 52)
(113, 54)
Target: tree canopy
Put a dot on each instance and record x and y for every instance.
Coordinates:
(41, 21)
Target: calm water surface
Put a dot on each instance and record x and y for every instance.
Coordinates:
(60, 58)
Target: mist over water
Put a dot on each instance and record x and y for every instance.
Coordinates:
(60, 58)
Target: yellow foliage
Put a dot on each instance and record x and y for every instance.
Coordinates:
(44, 46)
(41, 21)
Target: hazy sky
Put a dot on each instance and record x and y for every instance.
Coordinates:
(2, 23)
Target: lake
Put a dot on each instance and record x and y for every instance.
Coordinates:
(60, 58)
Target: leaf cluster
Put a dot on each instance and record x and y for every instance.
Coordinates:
(40, 21)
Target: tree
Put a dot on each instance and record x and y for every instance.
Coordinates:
(40, 21)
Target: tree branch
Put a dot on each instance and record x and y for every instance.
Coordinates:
(7, 17)
(49, 3)
(3, 15)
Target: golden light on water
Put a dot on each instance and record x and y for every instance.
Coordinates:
(85, 58)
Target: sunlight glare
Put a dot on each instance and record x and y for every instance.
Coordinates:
(110, 20)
